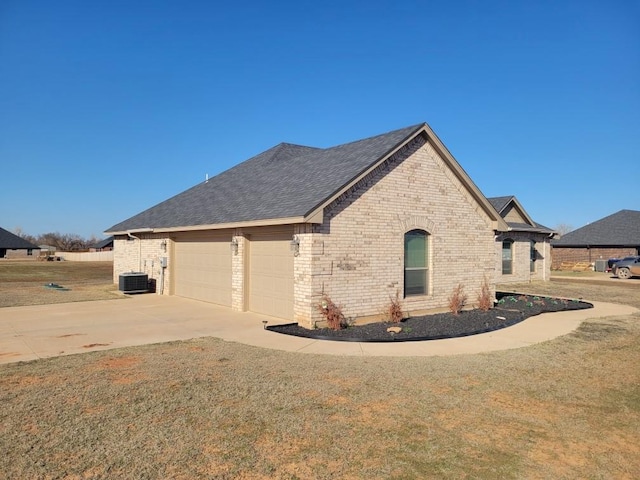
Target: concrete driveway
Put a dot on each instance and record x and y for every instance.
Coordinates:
(30, 333)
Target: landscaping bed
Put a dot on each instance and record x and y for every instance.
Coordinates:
(509, 310)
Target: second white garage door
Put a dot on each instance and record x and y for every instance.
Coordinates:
(271, 275)
(202, 268)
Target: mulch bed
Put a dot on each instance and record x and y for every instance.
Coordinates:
(509, 310)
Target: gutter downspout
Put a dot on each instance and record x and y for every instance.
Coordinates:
(139, 250)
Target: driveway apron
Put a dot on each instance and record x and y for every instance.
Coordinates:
(42, 331)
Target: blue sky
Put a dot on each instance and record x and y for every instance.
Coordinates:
(109, 107)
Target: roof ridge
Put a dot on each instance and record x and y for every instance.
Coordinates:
(281, 182)
(619, 228)
(411, 128)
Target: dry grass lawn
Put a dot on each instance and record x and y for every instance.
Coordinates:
(23, 282)
(568, 408)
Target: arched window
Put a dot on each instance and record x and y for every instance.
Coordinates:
(507, 257)
(416, 254)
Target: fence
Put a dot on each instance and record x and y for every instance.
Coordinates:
(86, 256)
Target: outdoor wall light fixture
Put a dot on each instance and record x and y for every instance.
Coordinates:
(163, 244)
(295, 245)
(234, 245)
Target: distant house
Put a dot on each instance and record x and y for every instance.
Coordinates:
(615, 236)
(524, 251)
(13, 246)
(102, 246)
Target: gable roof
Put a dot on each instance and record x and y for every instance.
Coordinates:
(619, 229)
(499, 203)
(14, 242)
(503, 206)
(285, 184)
(104, 243)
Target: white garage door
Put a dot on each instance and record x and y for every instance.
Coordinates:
(202, 268)
(271, 275)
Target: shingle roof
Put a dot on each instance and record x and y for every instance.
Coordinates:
(619, 229)
(104, 243)
(525, 227)
(282, 182)
(14, 242)
(501, 203)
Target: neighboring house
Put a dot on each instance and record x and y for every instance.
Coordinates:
(357, 222)
(46, 252)
(13, 246)
(524, 251)
(102, 246)
(615, 236)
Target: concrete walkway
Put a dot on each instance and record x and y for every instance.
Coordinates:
(30, 333)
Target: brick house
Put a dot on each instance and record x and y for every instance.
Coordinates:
(614, 236)
(524, 251)
(357, 222)
(105, 245)
(13, 246)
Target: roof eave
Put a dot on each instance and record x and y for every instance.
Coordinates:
(499, 224)
(551, 233)
(597, 245)
(217, 226)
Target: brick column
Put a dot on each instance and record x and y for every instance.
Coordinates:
(237, 274)
(302, 273)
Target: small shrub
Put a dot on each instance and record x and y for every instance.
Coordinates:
(332, 313)
(485, 302)
(457, 299)
(394, 309)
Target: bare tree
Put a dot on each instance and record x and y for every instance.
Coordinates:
(67, 242)
(51, 239)
(70, 242)
(563, 228)
(29, 238)
(92, 240)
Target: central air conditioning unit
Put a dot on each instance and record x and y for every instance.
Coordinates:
(601, 266)
(134, 282)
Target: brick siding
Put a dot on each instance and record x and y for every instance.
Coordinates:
(576, 254)
(521, 256)
(133, 255)
(22, 253)
(356, 256)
